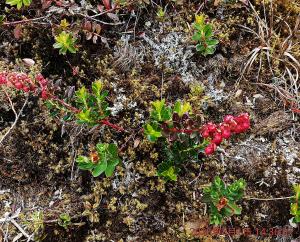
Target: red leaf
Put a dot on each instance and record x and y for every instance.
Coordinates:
(295, 110)
(46, 4)
(106, 4)
(100, 8)
(18, 31)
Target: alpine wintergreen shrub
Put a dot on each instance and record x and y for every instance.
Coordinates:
(103, 160)
(222, 199)
(206, 43)
(181, 139)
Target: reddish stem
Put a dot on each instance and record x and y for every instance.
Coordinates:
(114, 126)
(186, 131)
(62, 102)
(22, 21)
(75, 110)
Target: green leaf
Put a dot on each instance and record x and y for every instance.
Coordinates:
(111, 167)
(296, 219)
(152, 132)
(170, 174)
(84, 116)
(100, 168)
(200, 48)
(84, 163)
(218, 184)
(209, 51)
(182, 108)
(27, 2)
(235, 209)
(101, 148)
(113, 149)
(19, 5)
(216, 219)
(2, 17)
(13, 2)
(64, 220)
(97, 87)
(197, 36)
(65, 42)
(82, 96)
(168, 170)
(207, 31)
(212, 42)
(160, 112)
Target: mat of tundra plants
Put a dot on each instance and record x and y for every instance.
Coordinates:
(149, 120)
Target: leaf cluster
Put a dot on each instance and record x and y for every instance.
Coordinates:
(203, 34)
(104, 159)
(19, 3)
(92, 104)
(92, 30)
(222, 199)
(166, 127)
(65, 42)
(295, 204)
(64, 220)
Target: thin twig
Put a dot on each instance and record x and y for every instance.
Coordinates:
(21, 230)
(17, 116)
(268, 199)
(100, 21)
(23, 21)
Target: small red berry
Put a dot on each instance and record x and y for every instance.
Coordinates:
(226, 133)
(205, 133)
(26, 89)
(217, 138)
(18, 85)
(245, 125)
(210, 149)
(228, 118)
(238, 129)
(44, 94)
(211, 127)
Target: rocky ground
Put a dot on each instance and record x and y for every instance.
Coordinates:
(141, 60)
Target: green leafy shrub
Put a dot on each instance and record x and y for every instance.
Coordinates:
(181, 138)
(206, 44)
(295, 204)
(172, 129)
(65, 42)
(104, 159)
(64, 220)
(222, 199)
(92, 105)
(88, 107)
(19, 3)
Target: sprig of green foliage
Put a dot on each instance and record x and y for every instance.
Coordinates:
(222, 199)
(64, 220)
(19, 3)
(65, 42)
(92, 105)
(104, 159)
(204, 36)
(172, 129)
(295, 204)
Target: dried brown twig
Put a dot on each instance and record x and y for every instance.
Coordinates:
(17, 115)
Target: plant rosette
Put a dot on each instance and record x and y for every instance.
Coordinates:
(103, 160)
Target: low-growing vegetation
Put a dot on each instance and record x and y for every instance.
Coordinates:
(149, 120)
